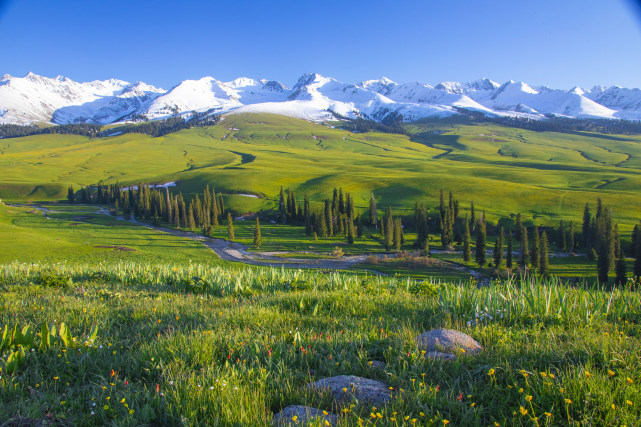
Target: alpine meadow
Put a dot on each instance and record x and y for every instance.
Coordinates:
(329, 252)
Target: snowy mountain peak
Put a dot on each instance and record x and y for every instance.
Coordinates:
(33, 99)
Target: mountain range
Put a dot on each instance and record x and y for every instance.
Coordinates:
(37, 99)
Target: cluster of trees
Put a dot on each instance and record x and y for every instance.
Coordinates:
(14, 131)
(159, 205)
(390, 123)
(172, 124)
(562, 124)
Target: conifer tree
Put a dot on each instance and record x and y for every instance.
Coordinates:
(467, 244)
(359, 226)
(562, 237)
(518, 227)
(191, 221)
(397, 234)
(329, 221)
(389, 232)
(421, 225)
(350, 230)
(525, 249)
(307, 216)
(176, 214)
(498, 249)
(472, 216)
(636, 250)
(586, 227)
(508, 260)
(373, 214)
(480, 242)
(535, 255)
(341, 202)
(230, 227)
(621, 272)
(70, 194)
(545, 261)
(214, 210)
(183, 212)
(258, 240)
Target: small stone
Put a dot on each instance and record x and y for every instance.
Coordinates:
(344, 387)
(442, 341)
(302, 415)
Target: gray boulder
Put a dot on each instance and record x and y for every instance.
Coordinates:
(345, 387)
(447, 344)
(301, 415)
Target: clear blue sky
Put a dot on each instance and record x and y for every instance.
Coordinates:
(560, 43)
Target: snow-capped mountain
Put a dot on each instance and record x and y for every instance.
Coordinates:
(37, 99)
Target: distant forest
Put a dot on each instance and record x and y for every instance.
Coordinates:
(153, 128)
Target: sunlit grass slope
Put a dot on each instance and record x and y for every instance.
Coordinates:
(544, 175)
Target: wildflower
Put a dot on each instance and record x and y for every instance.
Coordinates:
(460, 397)
(552, 376)
(123, 400)
(528, 398)
(521, 390)
(131, 412)
(630, 380)
(611, 373)
(547, 414)
(588, 374)
(294, 418)
(379, 415)
(568, 401)
(445, 422)
(421, 414)
(344, 389)
(523, 410)
(413, 420)
(613, 406)
(407, 417)
(543, 374)
(325, 413)
(55, 378)
(629, 402)
(490, 372)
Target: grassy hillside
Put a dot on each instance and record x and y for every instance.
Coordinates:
(547, 176)
(218, 346)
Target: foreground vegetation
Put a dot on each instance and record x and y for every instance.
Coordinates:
(200, 345)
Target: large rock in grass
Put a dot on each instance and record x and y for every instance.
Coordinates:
(446, 344)
(345, 387)
(301, 415)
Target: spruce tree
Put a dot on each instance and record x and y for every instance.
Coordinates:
(467, 244)
(191, 221)
(373, 214)
(636, 251)
(518, 227)
(587, 228)
(545, 259)
(328, 219)
(472, 215)
(258, 240)
(230, 227)
(359, 226)
(389, 232)
(525, 249)
(70, 194)
(535, 255)
(498, 249)
(282, 208)
(350, 230)
(508, 260)
(480, 242)
(397, 234)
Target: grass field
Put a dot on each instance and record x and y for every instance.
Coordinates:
(546, 176)
(197, 345)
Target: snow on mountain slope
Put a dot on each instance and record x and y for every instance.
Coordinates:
(34, 98)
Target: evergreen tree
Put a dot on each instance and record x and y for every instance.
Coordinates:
(525, 249)
(257, 237)
(472, 216)
(587, 238)
(214, 210)
(350, 230)
(636, 250)
(176, 214)
(621, 272)
(328, 218)
(190, 219)
(230, 227)
(183, 213)
(373, 214)
(508, 261)
(307, 216)
(398, 229)
(535, 255)
(421, 225)
(70, 194)
(389, 232)
(570, 240)
(545, 261)
(498, 249)
(359, 226)
(480, 242)
(518, 227)
(467, 245)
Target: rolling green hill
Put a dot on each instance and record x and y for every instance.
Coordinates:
(545, 175)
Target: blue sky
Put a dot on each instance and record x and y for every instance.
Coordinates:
(560, 43)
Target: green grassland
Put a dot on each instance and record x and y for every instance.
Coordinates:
(546, 176)
(196, 345)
